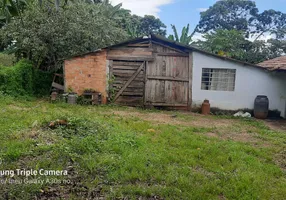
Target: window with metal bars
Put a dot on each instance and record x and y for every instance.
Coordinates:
(218, 79)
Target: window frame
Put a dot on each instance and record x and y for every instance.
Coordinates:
(229, 79)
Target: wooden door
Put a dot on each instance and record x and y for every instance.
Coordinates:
(127, 82)
(167, 80)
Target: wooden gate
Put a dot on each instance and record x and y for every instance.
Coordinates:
(127, 82)
(167, 79)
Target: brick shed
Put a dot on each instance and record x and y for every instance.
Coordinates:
(145, 71)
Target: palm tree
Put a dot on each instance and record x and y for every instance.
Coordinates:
(185, 37)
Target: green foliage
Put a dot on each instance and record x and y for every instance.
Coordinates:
(230, 43)
(46, 35)
(228, 14)
(10, 9)
(242, 15)
(23, 80)
(137, 26)
(7, 59)
(185, 37)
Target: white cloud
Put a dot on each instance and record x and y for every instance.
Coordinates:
(143, 7)
(202, 9)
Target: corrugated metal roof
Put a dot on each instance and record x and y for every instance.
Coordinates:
(278, 63)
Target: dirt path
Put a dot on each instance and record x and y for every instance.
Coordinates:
(190, 119)
(279, 125)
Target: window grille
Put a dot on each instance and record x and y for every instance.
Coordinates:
(218, 79)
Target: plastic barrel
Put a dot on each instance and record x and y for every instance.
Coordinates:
(261, 107)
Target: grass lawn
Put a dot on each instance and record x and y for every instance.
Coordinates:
(126, 153)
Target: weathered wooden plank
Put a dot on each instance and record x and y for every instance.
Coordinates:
(168, 104)
(168, 47)
(125, 67)
(131, 58)
(190, 90)
(128, 75)
(145, 79)
(125, 79)
(130, 101)
(167, 78)
(136, 90)
(111, 78)
(58, 86)
(123, 63)
(132, 94)
(133, 85)
(138, 45)
(130, 52)
(135, 51)
(130, 80)
(120, 71)
(176, 92)
(173, 54)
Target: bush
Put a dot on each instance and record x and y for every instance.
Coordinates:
(7, 60)
(23, 80)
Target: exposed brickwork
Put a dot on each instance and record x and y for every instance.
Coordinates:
(87, 71)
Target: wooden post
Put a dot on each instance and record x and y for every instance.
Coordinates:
(190, 90)
(145, 82)
(110, 76)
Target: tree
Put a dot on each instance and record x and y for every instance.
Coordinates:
(138, 26)
(228, 15)
(185, 37)
(230, 43)
(271, 22)
(48, 36)
(242, 15)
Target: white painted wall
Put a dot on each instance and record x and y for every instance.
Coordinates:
(250, 82)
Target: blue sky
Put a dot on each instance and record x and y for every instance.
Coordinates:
(182, 12)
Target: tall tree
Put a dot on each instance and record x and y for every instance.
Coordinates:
(228, 14)
(138, 26)
(242, 15)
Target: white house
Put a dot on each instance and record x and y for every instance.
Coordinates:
(236, 84)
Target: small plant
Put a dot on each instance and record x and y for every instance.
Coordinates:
(70, 90)
(82, 101)
(89, 90)
(111, 90)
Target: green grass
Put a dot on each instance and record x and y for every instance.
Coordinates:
(116, 156)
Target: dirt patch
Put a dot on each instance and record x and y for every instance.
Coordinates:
(279, 125)
(210, 134)
(164, 118)
(224, 129)
(18, 107)
(280, 160)
(238, 137)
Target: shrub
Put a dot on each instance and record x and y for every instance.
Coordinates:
(23, 80)
(7, 60)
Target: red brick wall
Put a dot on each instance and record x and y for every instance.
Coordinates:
(87, 71)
